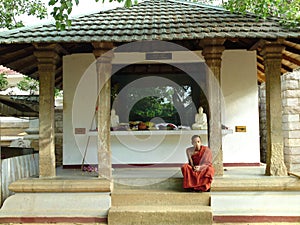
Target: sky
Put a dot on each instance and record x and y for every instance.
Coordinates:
(84, 7)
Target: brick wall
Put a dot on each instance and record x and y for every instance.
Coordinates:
(262, 123)
(58, 136)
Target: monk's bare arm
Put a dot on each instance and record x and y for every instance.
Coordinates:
(189, 152)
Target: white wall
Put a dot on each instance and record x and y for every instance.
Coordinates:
(76, 70)
(239, 86)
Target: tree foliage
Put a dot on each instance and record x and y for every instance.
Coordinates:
(12, 10)
(28, 84)
(158, 103)
(287, 10)
(3, 82)
(63, 8)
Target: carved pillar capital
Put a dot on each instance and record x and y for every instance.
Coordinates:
(100, 48)
(272, 51)
(48, 53)
(212, 50)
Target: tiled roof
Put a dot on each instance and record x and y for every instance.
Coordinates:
(7, 71)
(154, 20)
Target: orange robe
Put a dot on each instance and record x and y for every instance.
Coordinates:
(199, 180)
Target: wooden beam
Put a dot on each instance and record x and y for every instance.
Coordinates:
(7, 58)
(20, 63)
(4, 49)
(292, 44)
(260, 67)
(29, 69)
(261, 77)
(292, 57)
(260, 58)
(258, 45)
(288, 65)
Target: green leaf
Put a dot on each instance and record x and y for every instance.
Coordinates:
(52, 2)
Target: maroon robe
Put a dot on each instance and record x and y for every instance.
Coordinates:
(199, 180)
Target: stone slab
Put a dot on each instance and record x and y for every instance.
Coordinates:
(33, 185)
(272, 203)
(56, 205)
(263, 183)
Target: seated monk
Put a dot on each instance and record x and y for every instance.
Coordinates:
(198, 173)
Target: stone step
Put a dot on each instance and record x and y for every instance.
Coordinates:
(172, 183)
(158, 197)
(160, 215)
(55, 204)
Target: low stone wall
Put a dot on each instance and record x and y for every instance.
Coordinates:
(290, 85)
(12, 129)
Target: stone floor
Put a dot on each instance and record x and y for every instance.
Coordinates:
(164, 172)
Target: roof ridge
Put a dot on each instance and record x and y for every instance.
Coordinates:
(186, 2)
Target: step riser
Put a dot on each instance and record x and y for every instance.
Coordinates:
(161, 199)
(174, 184)
(160, 218)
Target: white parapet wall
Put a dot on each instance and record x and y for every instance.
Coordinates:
(16, 168)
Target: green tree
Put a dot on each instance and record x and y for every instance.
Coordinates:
(12, 10)
(151, 107)
(3, 82)
(286, 10)
(28, 84)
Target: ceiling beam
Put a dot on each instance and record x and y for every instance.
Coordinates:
(14, 55)
(261, 76)
(292, 57)
(287, 64)
(20, 63)
(258, 45)
(292, 45)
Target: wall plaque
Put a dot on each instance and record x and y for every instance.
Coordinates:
(80, 131)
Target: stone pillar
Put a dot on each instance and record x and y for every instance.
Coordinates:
(272, 54)
(212, 52)
(47, 57)
(104, 69)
